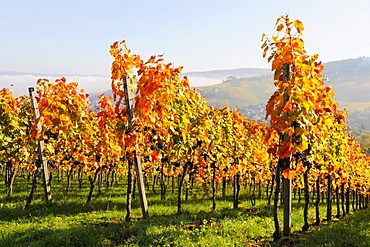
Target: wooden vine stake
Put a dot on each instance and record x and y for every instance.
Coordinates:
(285, 162)
(40, 145)
(129, 101)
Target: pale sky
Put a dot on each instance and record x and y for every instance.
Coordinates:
(73, 37)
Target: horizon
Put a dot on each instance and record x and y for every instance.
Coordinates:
(19, 82)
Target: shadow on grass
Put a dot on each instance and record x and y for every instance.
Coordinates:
(56, 209)
(351, 230)
(103, 234)
(66, 204)
(97, 234)
(218, 214)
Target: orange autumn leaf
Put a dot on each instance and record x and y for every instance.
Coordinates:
(47, 121)
(300, 168)
(285, 149)
(155, 156)
(289, 173)
(31, 169)
(263, 36)
(82, 158)
(276, 63)
(279, 27)
(176, 119)
(130, 140)
(288, 106)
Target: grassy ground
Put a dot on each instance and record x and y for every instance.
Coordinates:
(67, 221)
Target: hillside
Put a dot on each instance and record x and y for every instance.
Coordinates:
(350, 79)
(239, 92)
(351, 82)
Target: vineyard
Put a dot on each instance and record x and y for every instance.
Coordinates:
(157, 139)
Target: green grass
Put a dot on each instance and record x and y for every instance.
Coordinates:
(67, 221)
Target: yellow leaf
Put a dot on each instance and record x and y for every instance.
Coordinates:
(304, 144)
(299, 26)
(328, 122)
(49, 147)
(64, 119)
(62, 108)
(14, 123)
